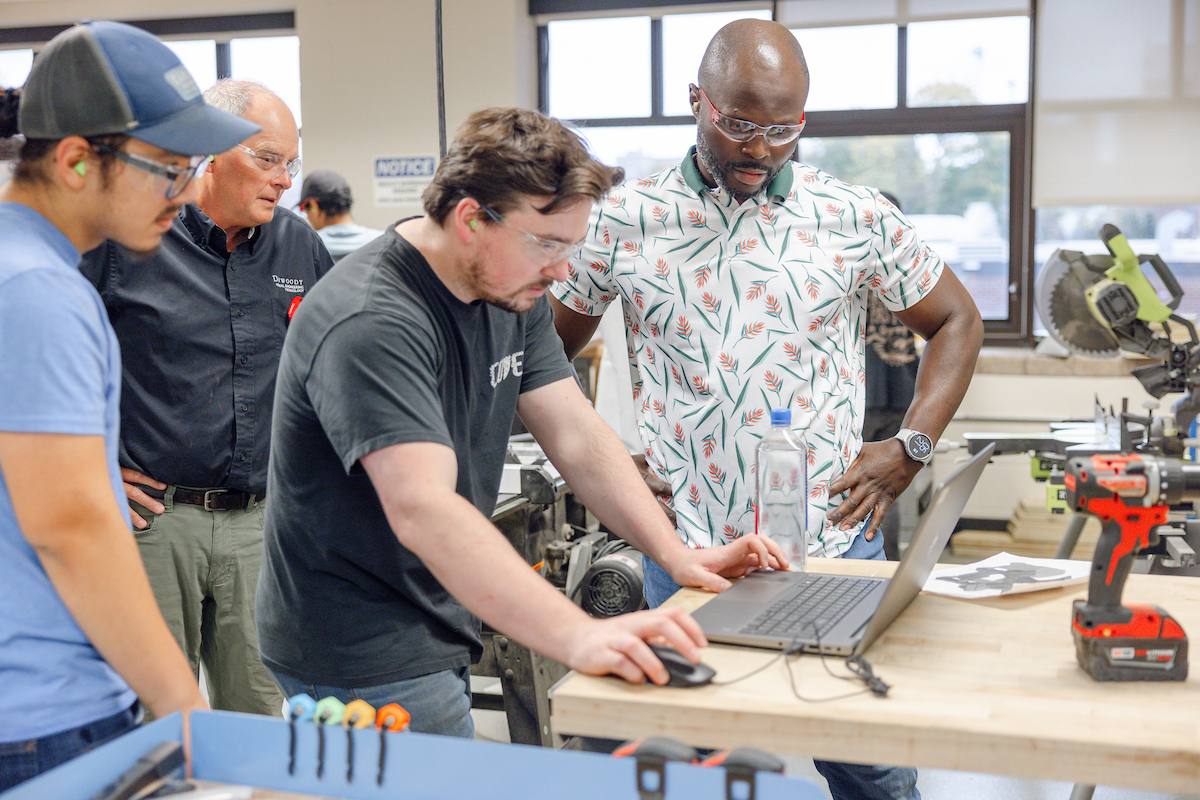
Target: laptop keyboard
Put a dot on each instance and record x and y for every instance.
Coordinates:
(819, 599)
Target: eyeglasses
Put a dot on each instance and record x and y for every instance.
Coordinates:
(549, 250)
(740, 130)
(178, 178)
(272, 162)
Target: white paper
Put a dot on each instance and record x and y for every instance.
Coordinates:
(1005, 573)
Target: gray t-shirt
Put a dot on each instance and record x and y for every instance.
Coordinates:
(381, 353)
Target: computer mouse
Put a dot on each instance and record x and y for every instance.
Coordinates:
(682, 672)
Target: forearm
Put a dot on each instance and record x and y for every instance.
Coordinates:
(476, 564)
(96, 570)
(90, 557)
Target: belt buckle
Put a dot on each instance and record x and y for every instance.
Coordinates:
(208, 498)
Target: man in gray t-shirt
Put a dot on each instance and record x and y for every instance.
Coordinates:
(397, 388)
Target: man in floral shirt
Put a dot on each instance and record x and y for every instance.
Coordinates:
(744, 278)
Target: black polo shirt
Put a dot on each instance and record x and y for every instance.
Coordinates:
(201, 330)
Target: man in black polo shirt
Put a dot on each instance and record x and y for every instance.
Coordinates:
(397, 389)
(201, 327)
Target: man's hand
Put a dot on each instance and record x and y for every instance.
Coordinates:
(877, 477)
(134, 492)
(711, 567)
(617, 646)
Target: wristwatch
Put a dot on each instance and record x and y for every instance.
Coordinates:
(918, 445)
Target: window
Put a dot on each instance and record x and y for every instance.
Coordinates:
(14, 67)
(840, 81)
(200, 58)
(931, 105)
(954, 188)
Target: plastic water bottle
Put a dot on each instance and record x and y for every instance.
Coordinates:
(781, 508)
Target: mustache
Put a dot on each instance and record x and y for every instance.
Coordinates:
(748, 165)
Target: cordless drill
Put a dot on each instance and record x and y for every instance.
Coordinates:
(1131, 494)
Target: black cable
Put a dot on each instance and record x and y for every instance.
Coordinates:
(295, 713)
(856, 664)
(382, 753)
(321, 744)
(350, 748)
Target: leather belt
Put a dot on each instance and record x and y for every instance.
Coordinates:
(216, 499)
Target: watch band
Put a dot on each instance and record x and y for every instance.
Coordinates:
(918, 446)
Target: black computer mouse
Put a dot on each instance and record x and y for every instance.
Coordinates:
(681, 671)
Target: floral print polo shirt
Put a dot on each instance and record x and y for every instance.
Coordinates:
(734, 309)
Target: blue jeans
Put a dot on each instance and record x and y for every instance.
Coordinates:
(439, 702)
(20, 761)
(846, 781)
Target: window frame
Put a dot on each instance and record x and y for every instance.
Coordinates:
(221, 28)
(1015, 119)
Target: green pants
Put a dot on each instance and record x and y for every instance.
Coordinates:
(203, 567)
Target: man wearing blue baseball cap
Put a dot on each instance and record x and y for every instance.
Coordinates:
(115, 131)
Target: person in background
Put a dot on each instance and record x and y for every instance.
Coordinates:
(745, 276)
(397, 390)
(201, 323)
(891, 363)
(325, 199)
(115, 131)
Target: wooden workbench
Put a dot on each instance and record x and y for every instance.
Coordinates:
(983, 685)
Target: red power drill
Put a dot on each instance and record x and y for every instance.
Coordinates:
(1131, 495)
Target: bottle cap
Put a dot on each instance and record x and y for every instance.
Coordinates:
(781, 416)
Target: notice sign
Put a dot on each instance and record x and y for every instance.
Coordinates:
(399, 180)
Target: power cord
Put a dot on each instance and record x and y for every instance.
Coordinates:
(859, 666)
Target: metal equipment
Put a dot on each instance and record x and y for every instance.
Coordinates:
(1096, 306)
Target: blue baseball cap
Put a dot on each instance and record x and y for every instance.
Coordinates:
(111, 78)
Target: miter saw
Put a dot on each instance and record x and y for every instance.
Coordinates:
(1098, 305)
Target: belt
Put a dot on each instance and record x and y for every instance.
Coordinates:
(216, 499)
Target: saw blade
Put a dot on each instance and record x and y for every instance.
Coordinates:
(1061, 296)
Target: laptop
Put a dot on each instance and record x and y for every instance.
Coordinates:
(835, 614)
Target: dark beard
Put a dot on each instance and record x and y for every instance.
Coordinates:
(706, 157)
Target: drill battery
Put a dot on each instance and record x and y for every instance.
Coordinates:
(1149, 646)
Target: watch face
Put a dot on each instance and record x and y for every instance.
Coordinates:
(919, 446)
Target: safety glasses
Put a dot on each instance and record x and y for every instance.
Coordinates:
(178, 178)
(740, 130)
(272, 162)
(548, 251)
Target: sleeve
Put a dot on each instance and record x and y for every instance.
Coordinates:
(54, 353)
(545, 361)
(908, 267)
(589, 286)
(374, 383)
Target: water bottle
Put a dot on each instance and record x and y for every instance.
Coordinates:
(781, 508)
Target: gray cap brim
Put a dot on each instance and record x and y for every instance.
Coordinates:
(198, 130)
